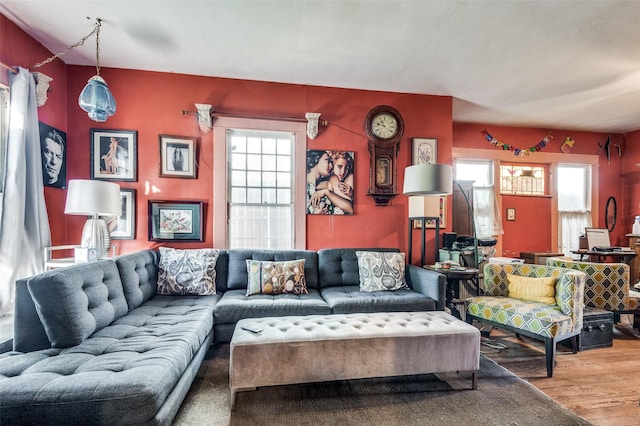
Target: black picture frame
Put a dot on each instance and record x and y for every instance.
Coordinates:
(178, 156)
(124, 226)
(53, 146)
(175, 220)
(114, 155)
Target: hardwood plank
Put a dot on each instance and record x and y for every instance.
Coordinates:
(601, 385)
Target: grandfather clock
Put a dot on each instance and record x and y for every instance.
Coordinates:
(384, 127)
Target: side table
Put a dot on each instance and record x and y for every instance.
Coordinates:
(454, 276)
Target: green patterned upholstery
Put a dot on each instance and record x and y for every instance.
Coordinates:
(550, 323)
(606, 286)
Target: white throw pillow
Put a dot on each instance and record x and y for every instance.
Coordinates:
(187, 272)
(381, 271)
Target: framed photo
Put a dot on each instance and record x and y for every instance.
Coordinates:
(123, 227)
(175, 220)
(114, 155)
(511, 214)
(424, 150)
(330, 181)
(178, 156)
(53, 145)
(443, 216)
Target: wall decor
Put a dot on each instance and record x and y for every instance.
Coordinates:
(178, 156)
(442, 214)
(424, 151)
(511, 214)
(175, 220)
(123, 227)
(114, 154)
(522, 152)
(330, 182)
(53, 146)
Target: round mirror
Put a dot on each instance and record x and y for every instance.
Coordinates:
(610, 213)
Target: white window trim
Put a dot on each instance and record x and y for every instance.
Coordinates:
(220, 167)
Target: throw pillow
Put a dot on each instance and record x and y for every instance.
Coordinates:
(266, 277)
(187, 272)
(381, 271)
(533, 289)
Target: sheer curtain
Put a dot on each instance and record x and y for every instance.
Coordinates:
(571, 227)
(486, 212)
(24, 225)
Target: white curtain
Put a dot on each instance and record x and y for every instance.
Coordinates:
(486, 212)
(571, 227)
(24, 225)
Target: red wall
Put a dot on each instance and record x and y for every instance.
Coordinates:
(151, 103)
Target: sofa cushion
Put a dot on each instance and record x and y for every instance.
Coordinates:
(235, 305)
(187, 272)
(349, 299)
(276, 277)
(381, 271)
(123, 374)
(139, 276)
(339, 267)
(534, 289)
(75, 302)
(237, 268)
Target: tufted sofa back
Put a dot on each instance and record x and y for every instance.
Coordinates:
(339, 267)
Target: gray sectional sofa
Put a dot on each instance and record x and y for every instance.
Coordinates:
(94, 343)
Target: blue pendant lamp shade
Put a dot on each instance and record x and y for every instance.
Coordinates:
(97, 100)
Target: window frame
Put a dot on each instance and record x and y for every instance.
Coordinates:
(221, 169)
(4, 132)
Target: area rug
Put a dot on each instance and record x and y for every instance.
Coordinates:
(442, 399)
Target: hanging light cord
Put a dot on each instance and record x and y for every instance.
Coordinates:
(96, 31)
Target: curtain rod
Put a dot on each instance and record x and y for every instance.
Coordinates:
(9, 67)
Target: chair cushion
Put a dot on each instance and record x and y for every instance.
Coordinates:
(534, 289)
(77, 301)
(539, 318)
(349, 299)
(139, 275)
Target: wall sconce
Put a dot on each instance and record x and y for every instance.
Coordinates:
(42, 87)
(312, 124)
(204, 117)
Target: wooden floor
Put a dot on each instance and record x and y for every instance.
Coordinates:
(600, 385)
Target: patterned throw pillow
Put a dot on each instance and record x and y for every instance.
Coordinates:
(381, 271)
(267, 277)
(187, 272)
(534, 289)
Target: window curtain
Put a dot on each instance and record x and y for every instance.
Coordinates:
(486, 212)
(572, 224)
(24, 225)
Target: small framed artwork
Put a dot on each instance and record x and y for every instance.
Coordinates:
(53, 145)
(114, 154)
(178, 156)
(442, 213)
(175, 220)
(424, 151)
(511, 214)
(123, 227)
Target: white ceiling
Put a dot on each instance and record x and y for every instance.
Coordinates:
(572, 65)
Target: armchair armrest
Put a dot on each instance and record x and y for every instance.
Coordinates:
(570, 295)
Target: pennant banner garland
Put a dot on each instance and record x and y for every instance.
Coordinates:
(517, 151)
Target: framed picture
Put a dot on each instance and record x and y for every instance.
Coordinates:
(424, 150)
(53, 145)
(178, 156)
(123, 227)
(330, 181)
(443, 216)
(114, 154)
(511, 214)
(175, 220)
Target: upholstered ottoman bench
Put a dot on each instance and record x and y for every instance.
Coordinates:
(316, 348)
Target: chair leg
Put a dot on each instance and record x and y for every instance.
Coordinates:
(550, 351)
(636, 322)
(574, 344)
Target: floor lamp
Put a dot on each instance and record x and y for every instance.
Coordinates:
(421, 183)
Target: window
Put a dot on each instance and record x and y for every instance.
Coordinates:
(522, 180)
(4, 131)
(574, 205)
(260, 189)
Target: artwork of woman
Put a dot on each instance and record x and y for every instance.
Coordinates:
(329, 182)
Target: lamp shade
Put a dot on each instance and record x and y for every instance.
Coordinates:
(428, 179)
(93, 197)
(97, 100)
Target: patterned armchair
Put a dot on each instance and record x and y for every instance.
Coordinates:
(538, 320)
(607, 287)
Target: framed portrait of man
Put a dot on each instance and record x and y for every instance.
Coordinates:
(53, 145)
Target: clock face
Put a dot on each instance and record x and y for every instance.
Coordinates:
(384, 125)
